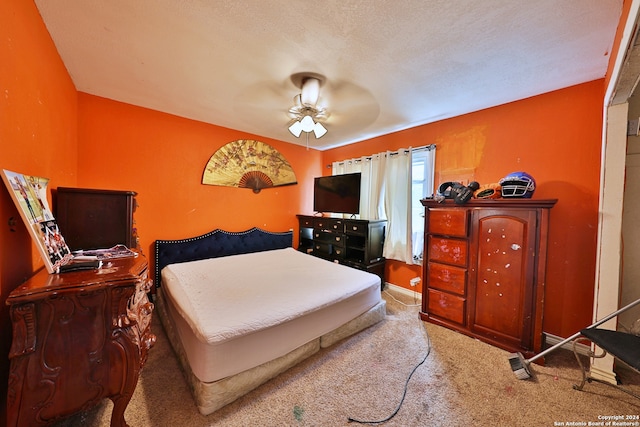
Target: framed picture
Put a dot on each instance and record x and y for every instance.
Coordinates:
(29, 193)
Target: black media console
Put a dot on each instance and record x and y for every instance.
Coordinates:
(353, 242)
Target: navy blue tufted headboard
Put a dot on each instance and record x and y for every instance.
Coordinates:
(215, 244)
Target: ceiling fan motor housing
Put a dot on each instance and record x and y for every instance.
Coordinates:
(310, 92)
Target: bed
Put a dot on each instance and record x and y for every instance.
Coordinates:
(241, 308)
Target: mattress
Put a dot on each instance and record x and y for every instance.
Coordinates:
(238, 312)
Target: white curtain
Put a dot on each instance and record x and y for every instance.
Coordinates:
(372, 170)
(386, 193)
(396, 194)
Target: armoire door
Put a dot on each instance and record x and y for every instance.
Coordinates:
(503, 255)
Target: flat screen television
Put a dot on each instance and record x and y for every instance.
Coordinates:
(337, 193)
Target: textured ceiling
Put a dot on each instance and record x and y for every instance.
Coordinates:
(389, 65)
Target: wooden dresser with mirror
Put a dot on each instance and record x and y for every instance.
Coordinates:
(78, 337)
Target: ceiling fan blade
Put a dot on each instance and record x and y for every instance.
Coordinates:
(349, 103)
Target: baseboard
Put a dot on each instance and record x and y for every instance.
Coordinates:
(403, 291)
(583, 349)
(552, 340)
(603, 375)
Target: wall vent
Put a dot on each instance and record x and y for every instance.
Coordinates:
(633, 127)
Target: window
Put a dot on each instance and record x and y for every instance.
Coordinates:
(387, 186)
(421, 187)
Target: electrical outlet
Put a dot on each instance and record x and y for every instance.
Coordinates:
(414, 281)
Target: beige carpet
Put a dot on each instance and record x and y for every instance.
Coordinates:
(463, 382)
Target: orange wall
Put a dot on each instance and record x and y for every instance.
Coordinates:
(38, 110)
(556, 137)
(162, 157)
(48, 129)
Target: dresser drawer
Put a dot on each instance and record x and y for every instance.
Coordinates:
(353, 227)
(330, 224)
(448, 251)
(306, 222)
(338, 252)
(336, 225)
(446, 306)
(450, 222)
(322, 249)
(447, 278)
(328, 237)
(337, 239)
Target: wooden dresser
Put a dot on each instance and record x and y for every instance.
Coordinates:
(357, 243)
(484, 269)
(78, 337)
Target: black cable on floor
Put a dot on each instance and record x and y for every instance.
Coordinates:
(404, 394)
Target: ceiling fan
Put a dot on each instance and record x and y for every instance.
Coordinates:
(306, 114)
(344, 108)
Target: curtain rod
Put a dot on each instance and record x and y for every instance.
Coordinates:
(393, 153)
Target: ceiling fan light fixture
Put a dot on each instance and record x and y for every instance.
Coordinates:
(296, 128)
(319, 130)
(307, 124)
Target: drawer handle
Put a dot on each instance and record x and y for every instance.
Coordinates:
(337, 239)
(355, 228)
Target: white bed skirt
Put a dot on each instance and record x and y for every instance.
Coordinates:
(211, 396)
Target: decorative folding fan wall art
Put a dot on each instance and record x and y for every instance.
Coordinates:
(247, 163)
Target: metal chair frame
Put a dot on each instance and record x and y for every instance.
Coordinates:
(586, 377)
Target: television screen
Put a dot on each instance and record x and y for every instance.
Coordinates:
(337, 194)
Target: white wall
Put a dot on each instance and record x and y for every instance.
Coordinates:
(630, 289)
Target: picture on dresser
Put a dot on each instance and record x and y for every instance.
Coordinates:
(29, 193)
